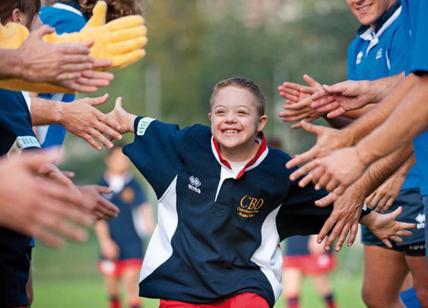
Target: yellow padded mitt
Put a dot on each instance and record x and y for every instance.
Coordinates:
(121, 40)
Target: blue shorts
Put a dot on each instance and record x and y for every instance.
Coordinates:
(413, 212)
(15, 259)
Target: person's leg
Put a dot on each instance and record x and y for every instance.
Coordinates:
(323, 287)
(111, 272)
(418, 268)
(384, 272)
(112, 284)
(291, 282)
(130, 277)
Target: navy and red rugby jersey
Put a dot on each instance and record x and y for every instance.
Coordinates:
(217, 235)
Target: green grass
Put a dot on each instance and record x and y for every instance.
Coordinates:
(69, 279)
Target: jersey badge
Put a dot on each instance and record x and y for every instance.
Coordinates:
(127, 195)
(249, 206)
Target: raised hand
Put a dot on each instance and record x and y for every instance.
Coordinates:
(343, 221)
(386, 228)
(121, 116)
(82, 119)
(336, 171)
(93, 200)
(341, 97)
(383, 197)
(51, 211)
(328, 139)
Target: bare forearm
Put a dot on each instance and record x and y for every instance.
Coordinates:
(367, 123)
(10, 63)
(402, 126)
(355, 114)
(44, 112)
(400, 160)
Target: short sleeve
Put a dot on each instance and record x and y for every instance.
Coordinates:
(398, 56)
(419, 31)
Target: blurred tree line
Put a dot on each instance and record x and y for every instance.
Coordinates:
(191, 47)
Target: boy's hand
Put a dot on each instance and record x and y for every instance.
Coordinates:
(121, 116)
(385, 226)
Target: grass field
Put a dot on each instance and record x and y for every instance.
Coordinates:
(69, 279)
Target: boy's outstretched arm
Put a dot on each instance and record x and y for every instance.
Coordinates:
(385, 226)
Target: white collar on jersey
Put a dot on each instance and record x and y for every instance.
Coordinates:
(67, 8)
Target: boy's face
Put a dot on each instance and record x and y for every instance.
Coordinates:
(368, 11)
(235, 120)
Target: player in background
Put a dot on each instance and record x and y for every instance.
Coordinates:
(120, 241)
(304, 257)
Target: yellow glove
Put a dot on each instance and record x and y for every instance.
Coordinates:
(121, 40)
(12, 35)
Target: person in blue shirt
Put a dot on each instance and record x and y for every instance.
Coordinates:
(224, 204)
(377, 135)
(377, 52)
(120, 239)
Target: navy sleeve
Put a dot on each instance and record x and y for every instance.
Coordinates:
(156, 152)
(16, 132)
(299, 215)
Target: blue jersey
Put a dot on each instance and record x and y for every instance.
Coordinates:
(414, 17)
(122, 229)
(65, 19)
(218, 230)
(381, 52)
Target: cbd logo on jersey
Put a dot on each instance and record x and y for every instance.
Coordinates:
(249, 206)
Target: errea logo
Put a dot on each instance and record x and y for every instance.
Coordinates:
(379, 54)
(359, 57)
(194, 184)
(420, 221)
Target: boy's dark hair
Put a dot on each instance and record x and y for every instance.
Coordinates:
(243, 83)
(115, 8)
(27, 7)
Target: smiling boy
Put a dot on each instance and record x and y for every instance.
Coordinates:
(224, 204)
